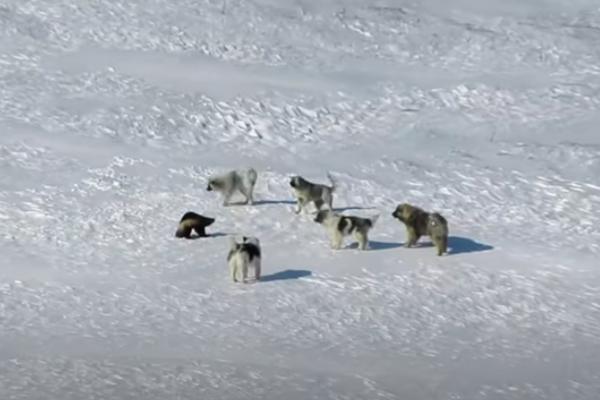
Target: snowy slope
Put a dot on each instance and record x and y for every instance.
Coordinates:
(113, 115)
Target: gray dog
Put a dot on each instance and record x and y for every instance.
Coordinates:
(317, 193)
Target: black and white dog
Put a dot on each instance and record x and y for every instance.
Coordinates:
(342, 225)
(243, 256)
(237, 180)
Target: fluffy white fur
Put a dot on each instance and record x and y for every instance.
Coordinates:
(242, 181)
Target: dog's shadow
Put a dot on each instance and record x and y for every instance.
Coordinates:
(350, 208)
(461, 245)
(376, 245)
(267, 202)
(286, 275)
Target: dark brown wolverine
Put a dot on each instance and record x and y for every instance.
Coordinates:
(191, 220)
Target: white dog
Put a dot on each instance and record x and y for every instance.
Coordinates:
(237, 180)
(243, 256)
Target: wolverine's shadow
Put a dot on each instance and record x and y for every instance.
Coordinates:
(208, 236)
(375, 245)
(285, 275)
(458, 245)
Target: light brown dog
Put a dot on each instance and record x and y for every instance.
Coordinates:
(422, 223)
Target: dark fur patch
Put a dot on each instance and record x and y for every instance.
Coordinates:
(321, 216)
(347, 224)
(250, 248)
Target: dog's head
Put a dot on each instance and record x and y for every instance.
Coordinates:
(209, 187)
(399, 212)
(214, 184)
(294, 181)
(405, 212)
(322, 216)
(251, 239)
(297, 182)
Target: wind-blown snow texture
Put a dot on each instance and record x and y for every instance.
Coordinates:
(113, 114)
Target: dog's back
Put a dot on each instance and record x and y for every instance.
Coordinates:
(349, 224)
(437, 225)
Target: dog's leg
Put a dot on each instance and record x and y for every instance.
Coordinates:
(440, 244)
(300, 205)
(337, 240)
(233, 270)
(329, 200)
(412, 236)
(318, 204)
(363, 241)
(444, 244)
(244, 272)
(247, 192)
(257, 270)
(251, 194)
(227, 193)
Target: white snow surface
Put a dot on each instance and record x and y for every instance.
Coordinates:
(114, 113)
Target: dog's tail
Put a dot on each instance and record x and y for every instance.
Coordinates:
(252, 176)
(333, 182)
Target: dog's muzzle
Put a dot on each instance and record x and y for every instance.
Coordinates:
(209, 188)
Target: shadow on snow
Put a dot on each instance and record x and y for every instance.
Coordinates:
(286, 275)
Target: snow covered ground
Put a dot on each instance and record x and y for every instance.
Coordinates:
(113, 114)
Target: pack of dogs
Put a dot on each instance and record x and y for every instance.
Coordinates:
(245, 253)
